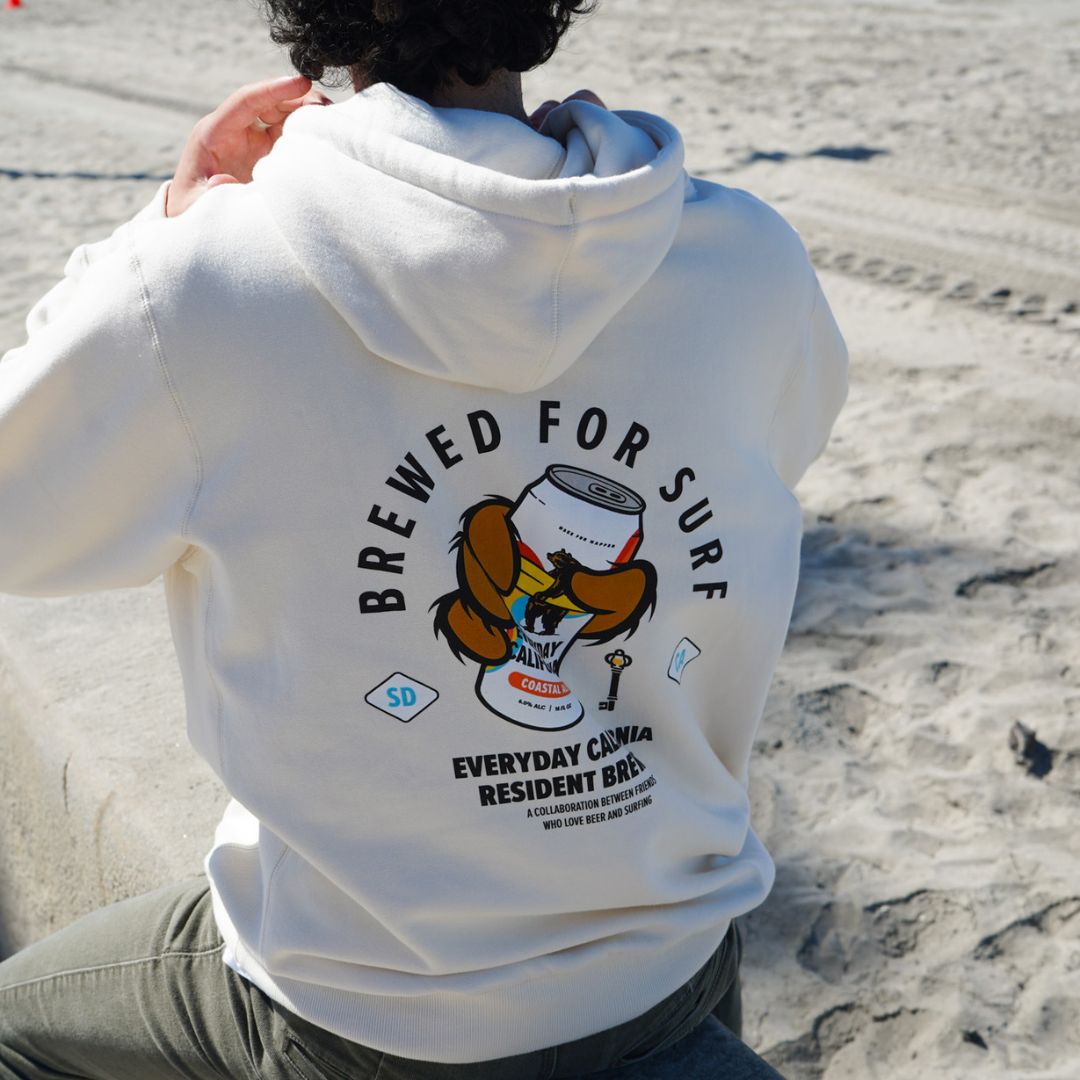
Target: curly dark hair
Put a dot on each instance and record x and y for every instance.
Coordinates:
(418, 45)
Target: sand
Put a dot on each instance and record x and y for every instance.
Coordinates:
(926, 916)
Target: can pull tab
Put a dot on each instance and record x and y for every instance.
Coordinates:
(618, 661)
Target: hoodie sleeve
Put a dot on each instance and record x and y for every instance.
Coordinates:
(98, 470)
(815, 391)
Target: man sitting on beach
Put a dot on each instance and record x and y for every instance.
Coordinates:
(464, 440)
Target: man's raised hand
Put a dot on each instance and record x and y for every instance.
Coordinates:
(224, 146)
(536, 118)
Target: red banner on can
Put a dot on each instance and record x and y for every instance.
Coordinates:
(544, 688)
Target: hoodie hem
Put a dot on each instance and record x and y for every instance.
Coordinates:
(553, 1003)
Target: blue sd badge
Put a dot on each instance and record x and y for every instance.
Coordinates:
(402, 697)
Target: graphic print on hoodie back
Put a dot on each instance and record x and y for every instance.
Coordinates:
(573, 563)
(480, 443)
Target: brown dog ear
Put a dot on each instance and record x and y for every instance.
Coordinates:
(488, 560)
(618, 598)
(475, 618)
(469, 633)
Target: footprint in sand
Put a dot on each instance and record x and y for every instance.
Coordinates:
(899, 275)
(965, 290)
(848, 942)
(997, 299)
(1013, 944)
(832, 714)
(1033, 304)
(1068, 317)
(875, 1035)
(930, 282)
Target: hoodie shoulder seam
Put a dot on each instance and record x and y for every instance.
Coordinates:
(555, 283)
(159, 355)
(797, 366)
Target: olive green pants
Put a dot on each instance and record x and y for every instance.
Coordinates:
(138, 991)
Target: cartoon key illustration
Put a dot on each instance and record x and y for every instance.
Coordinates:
(618, 661)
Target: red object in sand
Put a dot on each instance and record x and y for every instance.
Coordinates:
(14, 3)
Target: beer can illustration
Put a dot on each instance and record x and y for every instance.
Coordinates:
(568, 519)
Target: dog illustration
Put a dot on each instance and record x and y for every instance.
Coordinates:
(475, 618)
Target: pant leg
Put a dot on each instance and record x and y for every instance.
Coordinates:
(728, 1009)
(675, 1019)
(138, 991)
(134, 991)
(321, 1054)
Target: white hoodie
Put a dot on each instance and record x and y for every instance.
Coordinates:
(466, 451)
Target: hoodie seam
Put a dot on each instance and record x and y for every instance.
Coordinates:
(285, 852)
(796, 369)
(159, 355)
(380, 158)
(555, 283)
(219, 701)
(408, 103)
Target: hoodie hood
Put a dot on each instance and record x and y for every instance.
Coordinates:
(465, 245)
